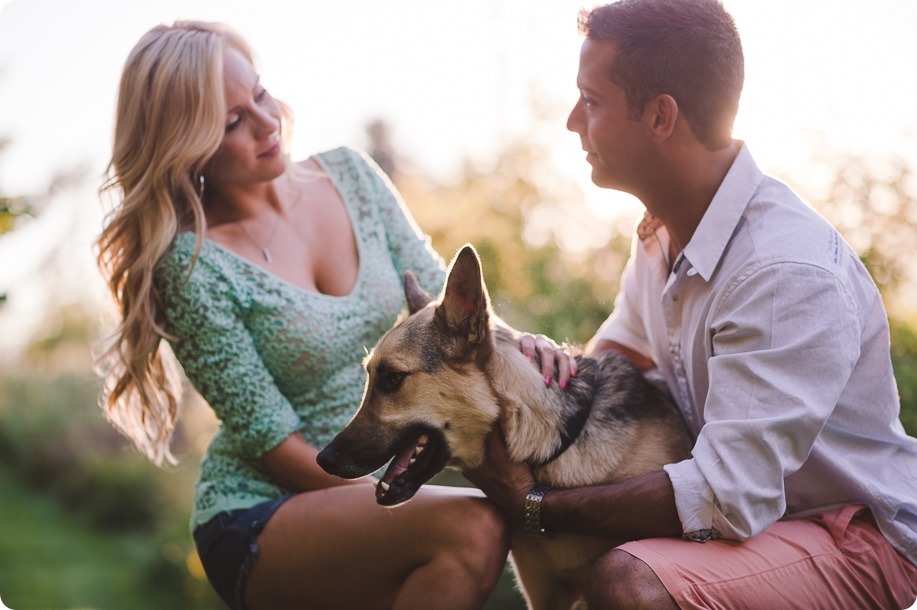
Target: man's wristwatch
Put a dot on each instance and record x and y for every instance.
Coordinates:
(532, 510)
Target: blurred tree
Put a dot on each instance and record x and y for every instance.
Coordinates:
(550, 263)
(11, 208)
(15, 210)
(904, 359)
(63, 340)
(381, 148)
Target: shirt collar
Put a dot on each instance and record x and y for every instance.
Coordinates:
(719, 222)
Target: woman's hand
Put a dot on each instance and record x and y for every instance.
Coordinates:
(553, 358)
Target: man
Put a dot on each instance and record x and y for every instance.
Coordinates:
(769, 332)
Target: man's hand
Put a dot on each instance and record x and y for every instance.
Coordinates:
(505, 482)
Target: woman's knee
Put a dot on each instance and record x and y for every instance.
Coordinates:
(620, 580)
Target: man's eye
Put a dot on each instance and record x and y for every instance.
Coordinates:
(390, 382)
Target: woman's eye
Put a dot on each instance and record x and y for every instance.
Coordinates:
(261, 95)
(234, 121)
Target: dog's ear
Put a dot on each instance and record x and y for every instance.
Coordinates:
(416, 297)
(465, 306)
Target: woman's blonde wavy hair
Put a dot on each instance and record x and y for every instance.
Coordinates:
(170, 121)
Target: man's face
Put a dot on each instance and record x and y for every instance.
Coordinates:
(616, 145)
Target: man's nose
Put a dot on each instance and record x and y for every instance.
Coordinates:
(574, 120)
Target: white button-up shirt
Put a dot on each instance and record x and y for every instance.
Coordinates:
(774, 341)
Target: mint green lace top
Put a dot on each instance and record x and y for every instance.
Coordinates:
(271, 358)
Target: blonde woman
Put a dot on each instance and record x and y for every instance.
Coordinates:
(268, 279)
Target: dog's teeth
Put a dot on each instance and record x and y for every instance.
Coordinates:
(411, 463)
(419, 449)
(383, 485)
(423, 440)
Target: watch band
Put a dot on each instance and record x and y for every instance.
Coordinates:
(532, 510)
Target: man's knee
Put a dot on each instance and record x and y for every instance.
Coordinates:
(620, 580)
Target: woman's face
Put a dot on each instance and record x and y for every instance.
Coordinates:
(251, 151)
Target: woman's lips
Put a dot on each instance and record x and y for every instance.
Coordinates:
(273, 151)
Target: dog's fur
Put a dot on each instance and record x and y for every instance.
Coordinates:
(445, 376)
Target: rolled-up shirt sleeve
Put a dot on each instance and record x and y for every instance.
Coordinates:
(783, 342)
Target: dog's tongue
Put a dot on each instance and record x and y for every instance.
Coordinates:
(398, 465)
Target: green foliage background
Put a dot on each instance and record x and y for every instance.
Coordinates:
(88, 523)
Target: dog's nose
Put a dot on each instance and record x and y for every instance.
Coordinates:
(327, 458)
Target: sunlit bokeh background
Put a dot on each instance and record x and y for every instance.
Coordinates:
(471, 101)
(453, 80)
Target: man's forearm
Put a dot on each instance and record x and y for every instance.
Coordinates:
(641, 507)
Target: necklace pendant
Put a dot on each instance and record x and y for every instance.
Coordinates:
(267, 255)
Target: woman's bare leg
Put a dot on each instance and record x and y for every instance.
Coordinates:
(336, 548)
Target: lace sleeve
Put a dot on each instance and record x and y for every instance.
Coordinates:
(205, 315)
(410, 248)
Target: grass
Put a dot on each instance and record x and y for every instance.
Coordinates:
(52, 560)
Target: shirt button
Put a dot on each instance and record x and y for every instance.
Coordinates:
(692, 271)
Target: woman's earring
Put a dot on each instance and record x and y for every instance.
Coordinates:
(200, 190)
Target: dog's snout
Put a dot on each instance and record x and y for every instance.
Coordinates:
(328, 459)
(338, 460)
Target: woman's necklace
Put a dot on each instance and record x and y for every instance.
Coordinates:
(265, 249)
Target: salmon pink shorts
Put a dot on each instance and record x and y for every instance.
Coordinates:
(837, 559)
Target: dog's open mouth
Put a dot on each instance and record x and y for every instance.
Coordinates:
(423, 455)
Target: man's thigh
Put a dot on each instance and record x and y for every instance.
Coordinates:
(835, 560)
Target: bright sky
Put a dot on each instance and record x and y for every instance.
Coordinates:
(453, 79)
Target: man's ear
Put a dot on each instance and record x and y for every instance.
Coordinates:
(660, 115)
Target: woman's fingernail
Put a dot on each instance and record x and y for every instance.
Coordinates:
(547, 380)
(564, 385)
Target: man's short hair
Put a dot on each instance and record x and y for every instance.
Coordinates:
(689, 49)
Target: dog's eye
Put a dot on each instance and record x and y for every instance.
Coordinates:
(389, 382)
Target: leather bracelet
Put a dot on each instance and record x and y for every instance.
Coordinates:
(531, 517)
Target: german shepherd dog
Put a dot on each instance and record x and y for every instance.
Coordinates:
(443, 378)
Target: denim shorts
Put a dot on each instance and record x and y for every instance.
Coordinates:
(228, 548)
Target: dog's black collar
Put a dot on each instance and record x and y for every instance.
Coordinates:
(572, 429)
